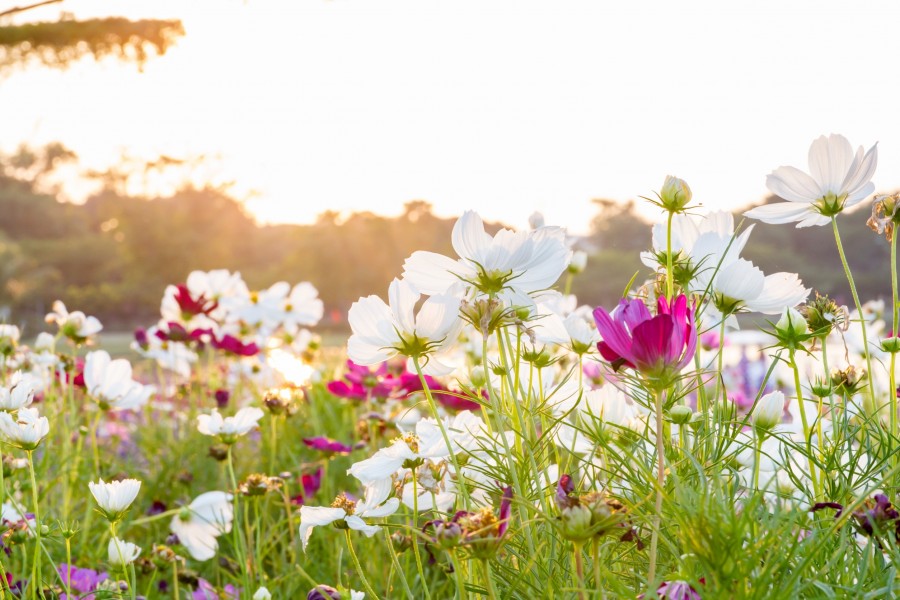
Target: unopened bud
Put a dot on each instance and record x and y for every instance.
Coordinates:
(681, 415)
(675, 194)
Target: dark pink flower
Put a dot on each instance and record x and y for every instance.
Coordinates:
(191, 306)
(232, 345)
(411, 383)
(324, 444)
(361, 382)
(311, 484)
(658, 347)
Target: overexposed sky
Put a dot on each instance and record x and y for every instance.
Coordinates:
(505, 107)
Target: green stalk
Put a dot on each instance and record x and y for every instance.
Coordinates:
(801, 404)
(492, 593)
(757, 457)
(660, 483)
(359, 569)
(579, 570)
(893, 370)
(397, 567)
(235, 528)
(35, 584)
(437, 417)
(498, 414)
(670, 282)
(862, 320)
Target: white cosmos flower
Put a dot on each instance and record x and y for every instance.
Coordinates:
(262, 593)
(302, 307)
(742, 286)
(376, 503)
(25, 430)
(201, 522)
(518, 262)
(114, 497)
(769, 411)
(110, 382)
(19, 393)
(122, 553)
(427, 443)
(74, 325)
(228, 429)
(382, 331)
(837, 179)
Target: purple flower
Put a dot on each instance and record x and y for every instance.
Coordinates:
(411, 383)
(206, 591)
(657, 347)
(328, 445)
(875, 515)
(323, 592)
(677, 590)
(81, 580)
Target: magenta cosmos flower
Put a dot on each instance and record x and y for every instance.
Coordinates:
(657, 347)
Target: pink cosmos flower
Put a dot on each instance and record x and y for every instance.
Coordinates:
(657, 347)
(328, 445)
(232, 345)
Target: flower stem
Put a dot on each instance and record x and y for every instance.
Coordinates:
(437, 417)
(35, 584)
(801, 404)
(359, 569)
(757, 456)
(670, 282)
(579, 570)
(660, 483)
(595, 554)
(393, 554)
(492, 593)
(894, 333)
(862, 320)
(236, 529)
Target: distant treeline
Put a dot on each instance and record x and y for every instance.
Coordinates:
(113, 256)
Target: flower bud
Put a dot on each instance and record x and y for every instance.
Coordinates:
(768, 412)
(891, 344)
(791, 324)
(681, 415)
(578, 262)
(675, 194)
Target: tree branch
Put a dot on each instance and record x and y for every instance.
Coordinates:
(18, 9)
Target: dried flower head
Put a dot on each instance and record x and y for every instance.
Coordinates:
(885, 215)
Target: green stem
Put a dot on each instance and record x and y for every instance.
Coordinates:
(862, 320)
(579, 570)
(670, 282)
(458, 574)
(397, 567)
(359, 569)
(415, 530)
(501, 433)
(757, 457)
(236, 536)
(660, 483)
(595, 554)
(892, 394)
(461, 484)
(488, 579)
(36, 581)
(803, 420)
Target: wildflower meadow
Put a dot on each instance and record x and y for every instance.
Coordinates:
(719, 433)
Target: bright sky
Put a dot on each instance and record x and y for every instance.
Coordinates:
(505, 107)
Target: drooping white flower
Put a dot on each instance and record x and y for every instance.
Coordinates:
(114, 497)
(837, 179)
(740, 286)
(198, 524)
(75, 325)
(376, 503)
(605, 411)
(769, 411)
(382, 331)
(110, 382)
(19, 393)
(427, 443)
(517, 262)
(122, 553)
(25, 430)
(228, 429)
(170, 355)
(262, 593)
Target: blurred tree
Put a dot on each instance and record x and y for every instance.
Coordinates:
(59, 43)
